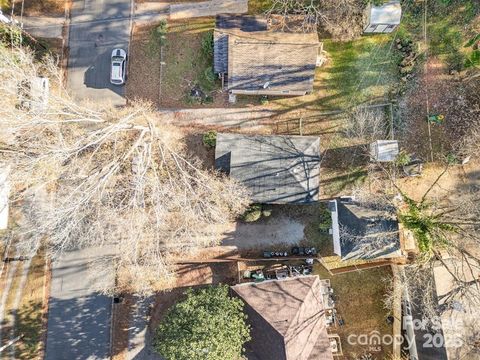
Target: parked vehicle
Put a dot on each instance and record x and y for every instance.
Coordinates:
(118, 66)
(302, 251)
(271, 254)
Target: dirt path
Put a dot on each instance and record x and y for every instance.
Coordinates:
(243, 118)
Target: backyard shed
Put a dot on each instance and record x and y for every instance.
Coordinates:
(287, 319)
(361, 231)
(382, 18)
(275, 169)
(384, 150)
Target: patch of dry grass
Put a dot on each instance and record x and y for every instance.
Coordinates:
(29, 315)
(359, 301)
(41, 7)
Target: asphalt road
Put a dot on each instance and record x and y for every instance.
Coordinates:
(78, 317)
(96, 28)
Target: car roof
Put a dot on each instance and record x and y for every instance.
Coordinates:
(117, 70)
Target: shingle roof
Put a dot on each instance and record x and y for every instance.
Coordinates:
(287, 319)
(272, 61)
(276, 169)
(365, 233)
(225, 23)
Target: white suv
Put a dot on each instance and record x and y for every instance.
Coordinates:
(117, 71)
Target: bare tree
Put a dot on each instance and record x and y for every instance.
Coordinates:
(90, 176)
(366, 124)
(343, 19)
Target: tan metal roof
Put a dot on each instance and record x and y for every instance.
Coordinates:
(272, 61)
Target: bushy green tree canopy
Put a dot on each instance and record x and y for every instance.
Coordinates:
(207, 325)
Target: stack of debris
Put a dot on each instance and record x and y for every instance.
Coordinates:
(409, 57)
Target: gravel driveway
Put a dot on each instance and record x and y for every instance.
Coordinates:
(265, 233)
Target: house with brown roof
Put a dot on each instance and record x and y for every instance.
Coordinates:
(256, 60)
(287, 319)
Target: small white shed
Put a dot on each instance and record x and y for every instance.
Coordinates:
(4, 193)
(384, 150)
(383, 18)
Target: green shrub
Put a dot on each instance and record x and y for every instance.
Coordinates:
(403, 159)
(207, 325)
(209, 75)
(11, 35)
(208, 99)
(456, 61)
(253, 213)
(210, 139)
(451, 159)
(325, 219)
(207, 44)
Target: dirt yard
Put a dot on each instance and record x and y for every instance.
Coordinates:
(264, 234)
(287, 226)
(359, 301)
(186, 79)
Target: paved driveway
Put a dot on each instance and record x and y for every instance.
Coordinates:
(78, 318)
(96, 28)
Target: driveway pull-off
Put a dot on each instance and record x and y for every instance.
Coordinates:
(96, 28)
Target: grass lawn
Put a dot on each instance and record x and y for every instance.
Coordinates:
(188, 66)
(359, 301)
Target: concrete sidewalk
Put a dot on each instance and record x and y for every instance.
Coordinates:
(44, 27)
(207, 8)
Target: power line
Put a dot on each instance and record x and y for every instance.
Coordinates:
(425, 17)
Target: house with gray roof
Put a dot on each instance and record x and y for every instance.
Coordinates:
(361, 231)
(287, 319)
(275, 169)
(258, 61)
